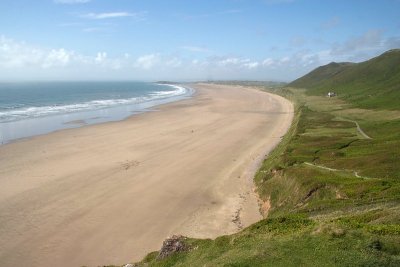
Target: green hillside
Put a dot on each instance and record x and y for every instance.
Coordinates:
(332, 185)
(371, 84)
(334, 195)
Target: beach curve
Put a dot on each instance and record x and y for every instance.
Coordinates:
(110, 193)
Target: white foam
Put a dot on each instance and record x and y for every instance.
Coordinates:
(178, 90)
(33, 112)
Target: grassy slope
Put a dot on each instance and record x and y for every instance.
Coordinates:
(348, 215)
(319, 217)
(371, 84)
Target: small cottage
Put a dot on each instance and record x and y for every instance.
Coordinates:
(331, 94)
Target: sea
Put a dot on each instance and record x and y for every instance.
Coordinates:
(33, 108)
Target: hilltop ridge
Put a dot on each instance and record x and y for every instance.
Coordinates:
(374, 83)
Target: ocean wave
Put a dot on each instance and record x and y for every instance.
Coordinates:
(178, 90)
(19, 113)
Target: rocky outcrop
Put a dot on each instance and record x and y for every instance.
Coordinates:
(171, 245)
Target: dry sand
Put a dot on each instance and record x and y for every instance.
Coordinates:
(110, 193)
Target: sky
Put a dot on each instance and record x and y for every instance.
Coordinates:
(186, 40)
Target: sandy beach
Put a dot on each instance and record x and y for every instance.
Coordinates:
(110, 193)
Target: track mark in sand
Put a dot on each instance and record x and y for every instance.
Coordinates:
(236, 219)
(129, 163)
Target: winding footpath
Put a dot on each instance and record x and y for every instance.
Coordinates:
(360, 130)
(336, 170)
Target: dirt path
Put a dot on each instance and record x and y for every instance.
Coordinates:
(336, 170)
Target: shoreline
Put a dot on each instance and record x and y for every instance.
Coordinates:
(110, 193)
(16, 130)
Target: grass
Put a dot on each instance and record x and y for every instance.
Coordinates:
(318, 136)
(334, 194)
(371, 84)
(291, 240)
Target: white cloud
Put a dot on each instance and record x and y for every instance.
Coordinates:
(108, 15)
(29, 59)
(251, 65)
(116, 64)
(147, 62)
(20, 59)
(284, 60)
(71, 1)
(173, 62)
(22, 56)
(15, 54)
(100, 57)
(59, 57)
(228, 61)
(268, 62)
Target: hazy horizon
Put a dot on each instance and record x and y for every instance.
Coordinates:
(269, 40)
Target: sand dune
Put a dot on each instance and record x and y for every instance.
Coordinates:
(110, 193)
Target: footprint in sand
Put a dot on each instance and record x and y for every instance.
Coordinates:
(130, 163)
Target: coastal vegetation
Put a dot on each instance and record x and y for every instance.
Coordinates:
(332, 186)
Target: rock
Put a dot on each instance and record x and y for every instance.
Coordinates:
(172, 245)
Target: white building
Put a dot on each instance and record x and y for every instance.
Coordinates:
(331, 94)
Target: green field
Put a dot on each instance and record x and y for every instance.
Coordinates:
(333, 189)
